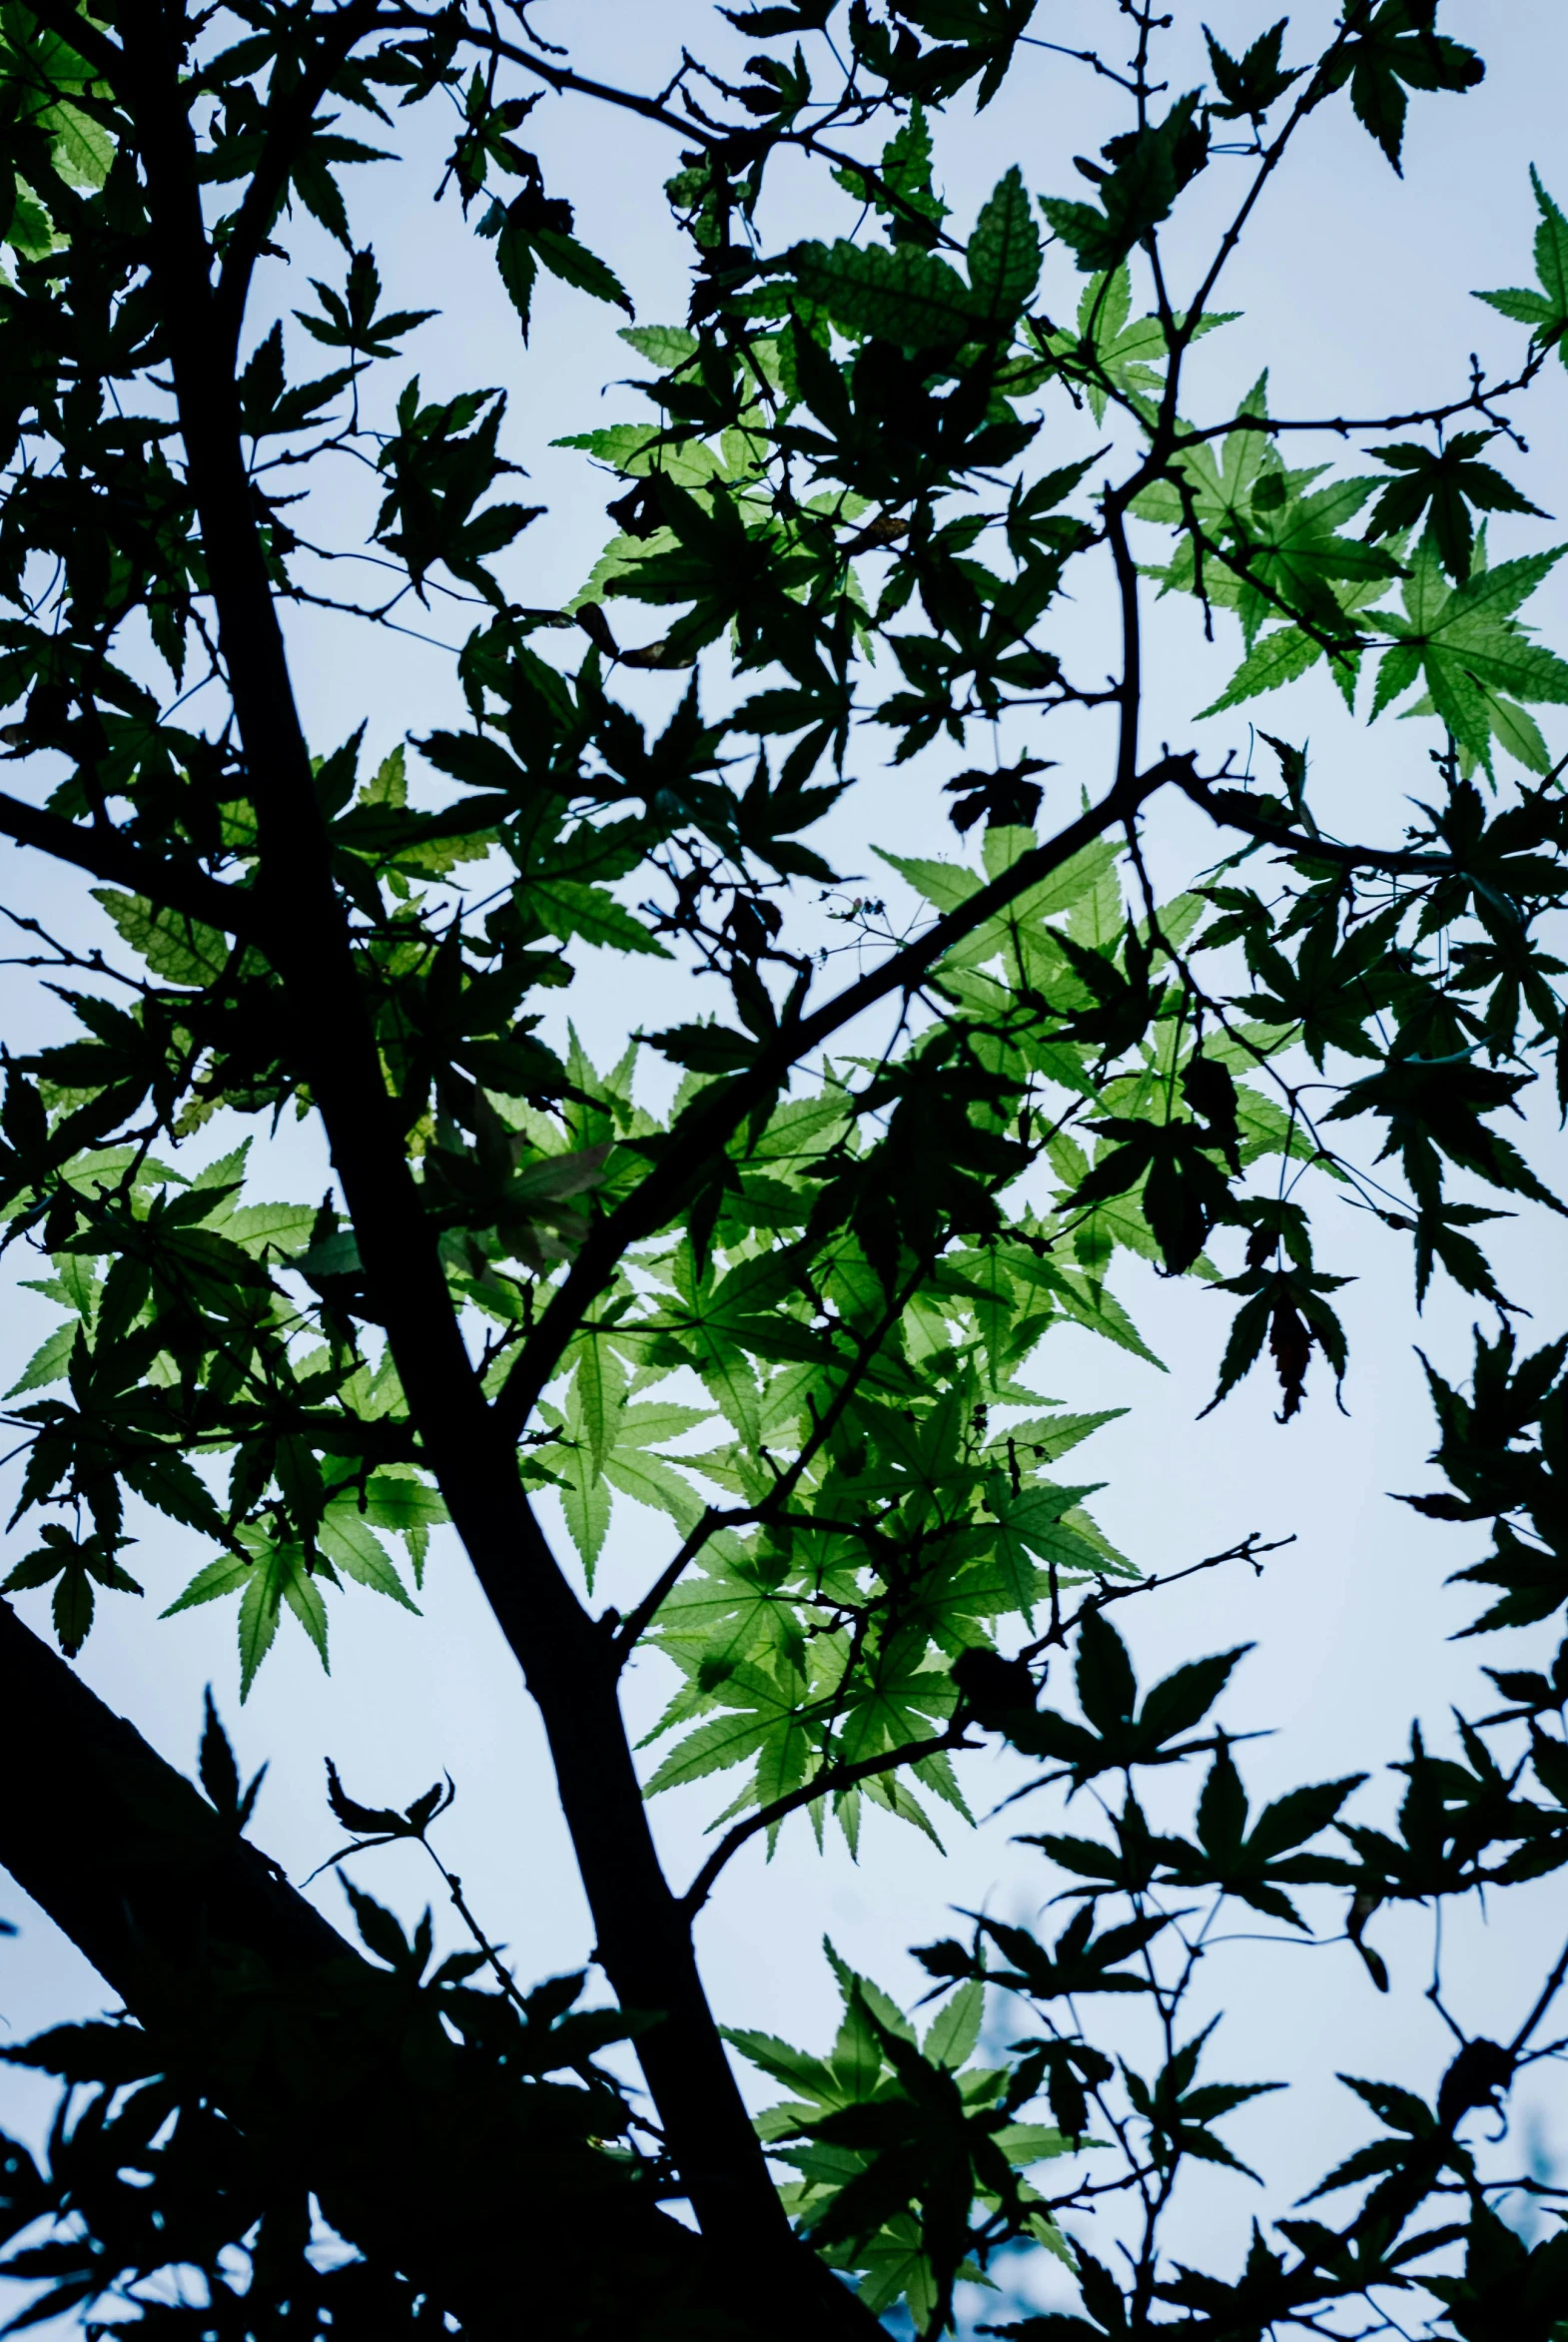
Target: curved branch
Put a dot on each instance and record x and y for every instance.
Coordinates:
(119, 1848)
(269, 180)
(1478, 400)
(700, 128)
(1248, 1550)
(1233, 809)
(1130, 693)
(635, 1625)
(164, 1899)
(644, 1944)
(632, 1631)
(1549, 1992)
(833, 1779)
(94, 47)
(1310, 97)
(717, 1114)
(105, 853)
(830, 1779)
(561, 78)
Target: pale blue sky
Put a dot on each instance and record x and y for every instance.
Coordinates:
(1355, 293)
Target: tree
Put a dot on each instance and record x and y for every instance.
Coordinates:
(839, 1252)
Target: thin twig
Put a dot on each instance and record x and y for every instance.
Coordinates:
(830, 1779)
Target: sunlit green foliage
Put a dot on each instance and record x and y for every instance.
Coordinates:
(781, 1275)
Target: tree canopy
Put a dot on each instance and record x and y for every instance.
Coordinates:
(826, 1222)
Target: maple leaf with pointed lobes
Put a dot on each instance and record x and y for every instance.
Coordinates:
(1101, 2298)
(1008, 798)
(1510, 2285)
(1147, 170)
(220, 1774)
(1291, 552)
(1109, 351)
(1449, 482)
(1390, 49)
(74, 1566)
(1435, 1106)
(1251, 84)
(609, 1442)
(901, 191)
(1545, 311)
(1287, 1306)
(1178, 2114)
(1438, 1236)
(351, 321)
(976, 37)
(1078, 1961)
(1184, 1192)
(1118, 1730)
(1470, 649)
(1254, 1865)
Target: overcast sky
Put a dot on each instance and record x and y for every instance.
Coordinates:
(1355, 293)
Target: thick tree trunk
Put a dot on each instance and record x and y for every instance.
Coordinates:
(450, 2175)
(126, 1856)
(643, 1943)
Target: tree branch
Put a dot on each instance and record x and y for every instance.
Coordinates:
(95, 48)
(1479, 399)
(1230, 809)
(1310, 97)
(716, 1115)
(1248, 1550)
(106, 854)
(173, 1909)
(830, 1779)
(644, 1944)
(121, 1852)
(269, 180)
(632, 1629)
(1548, 1993)
(562, 79)
(1132, 688)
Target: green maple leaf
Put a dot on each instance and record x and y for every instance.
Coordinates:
(1121, 352)
(609, 1442)
(1251, 84)
(1546, 311)
(1392, 50)
(1471, 650)
(1150, 168)
(900, 1696)
(757, 1710)
(1449, 482)
(1283, 541)
(1282, 652)
(1216, 480)
(1294, 554)
(736, 1607)
(887, 2120)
